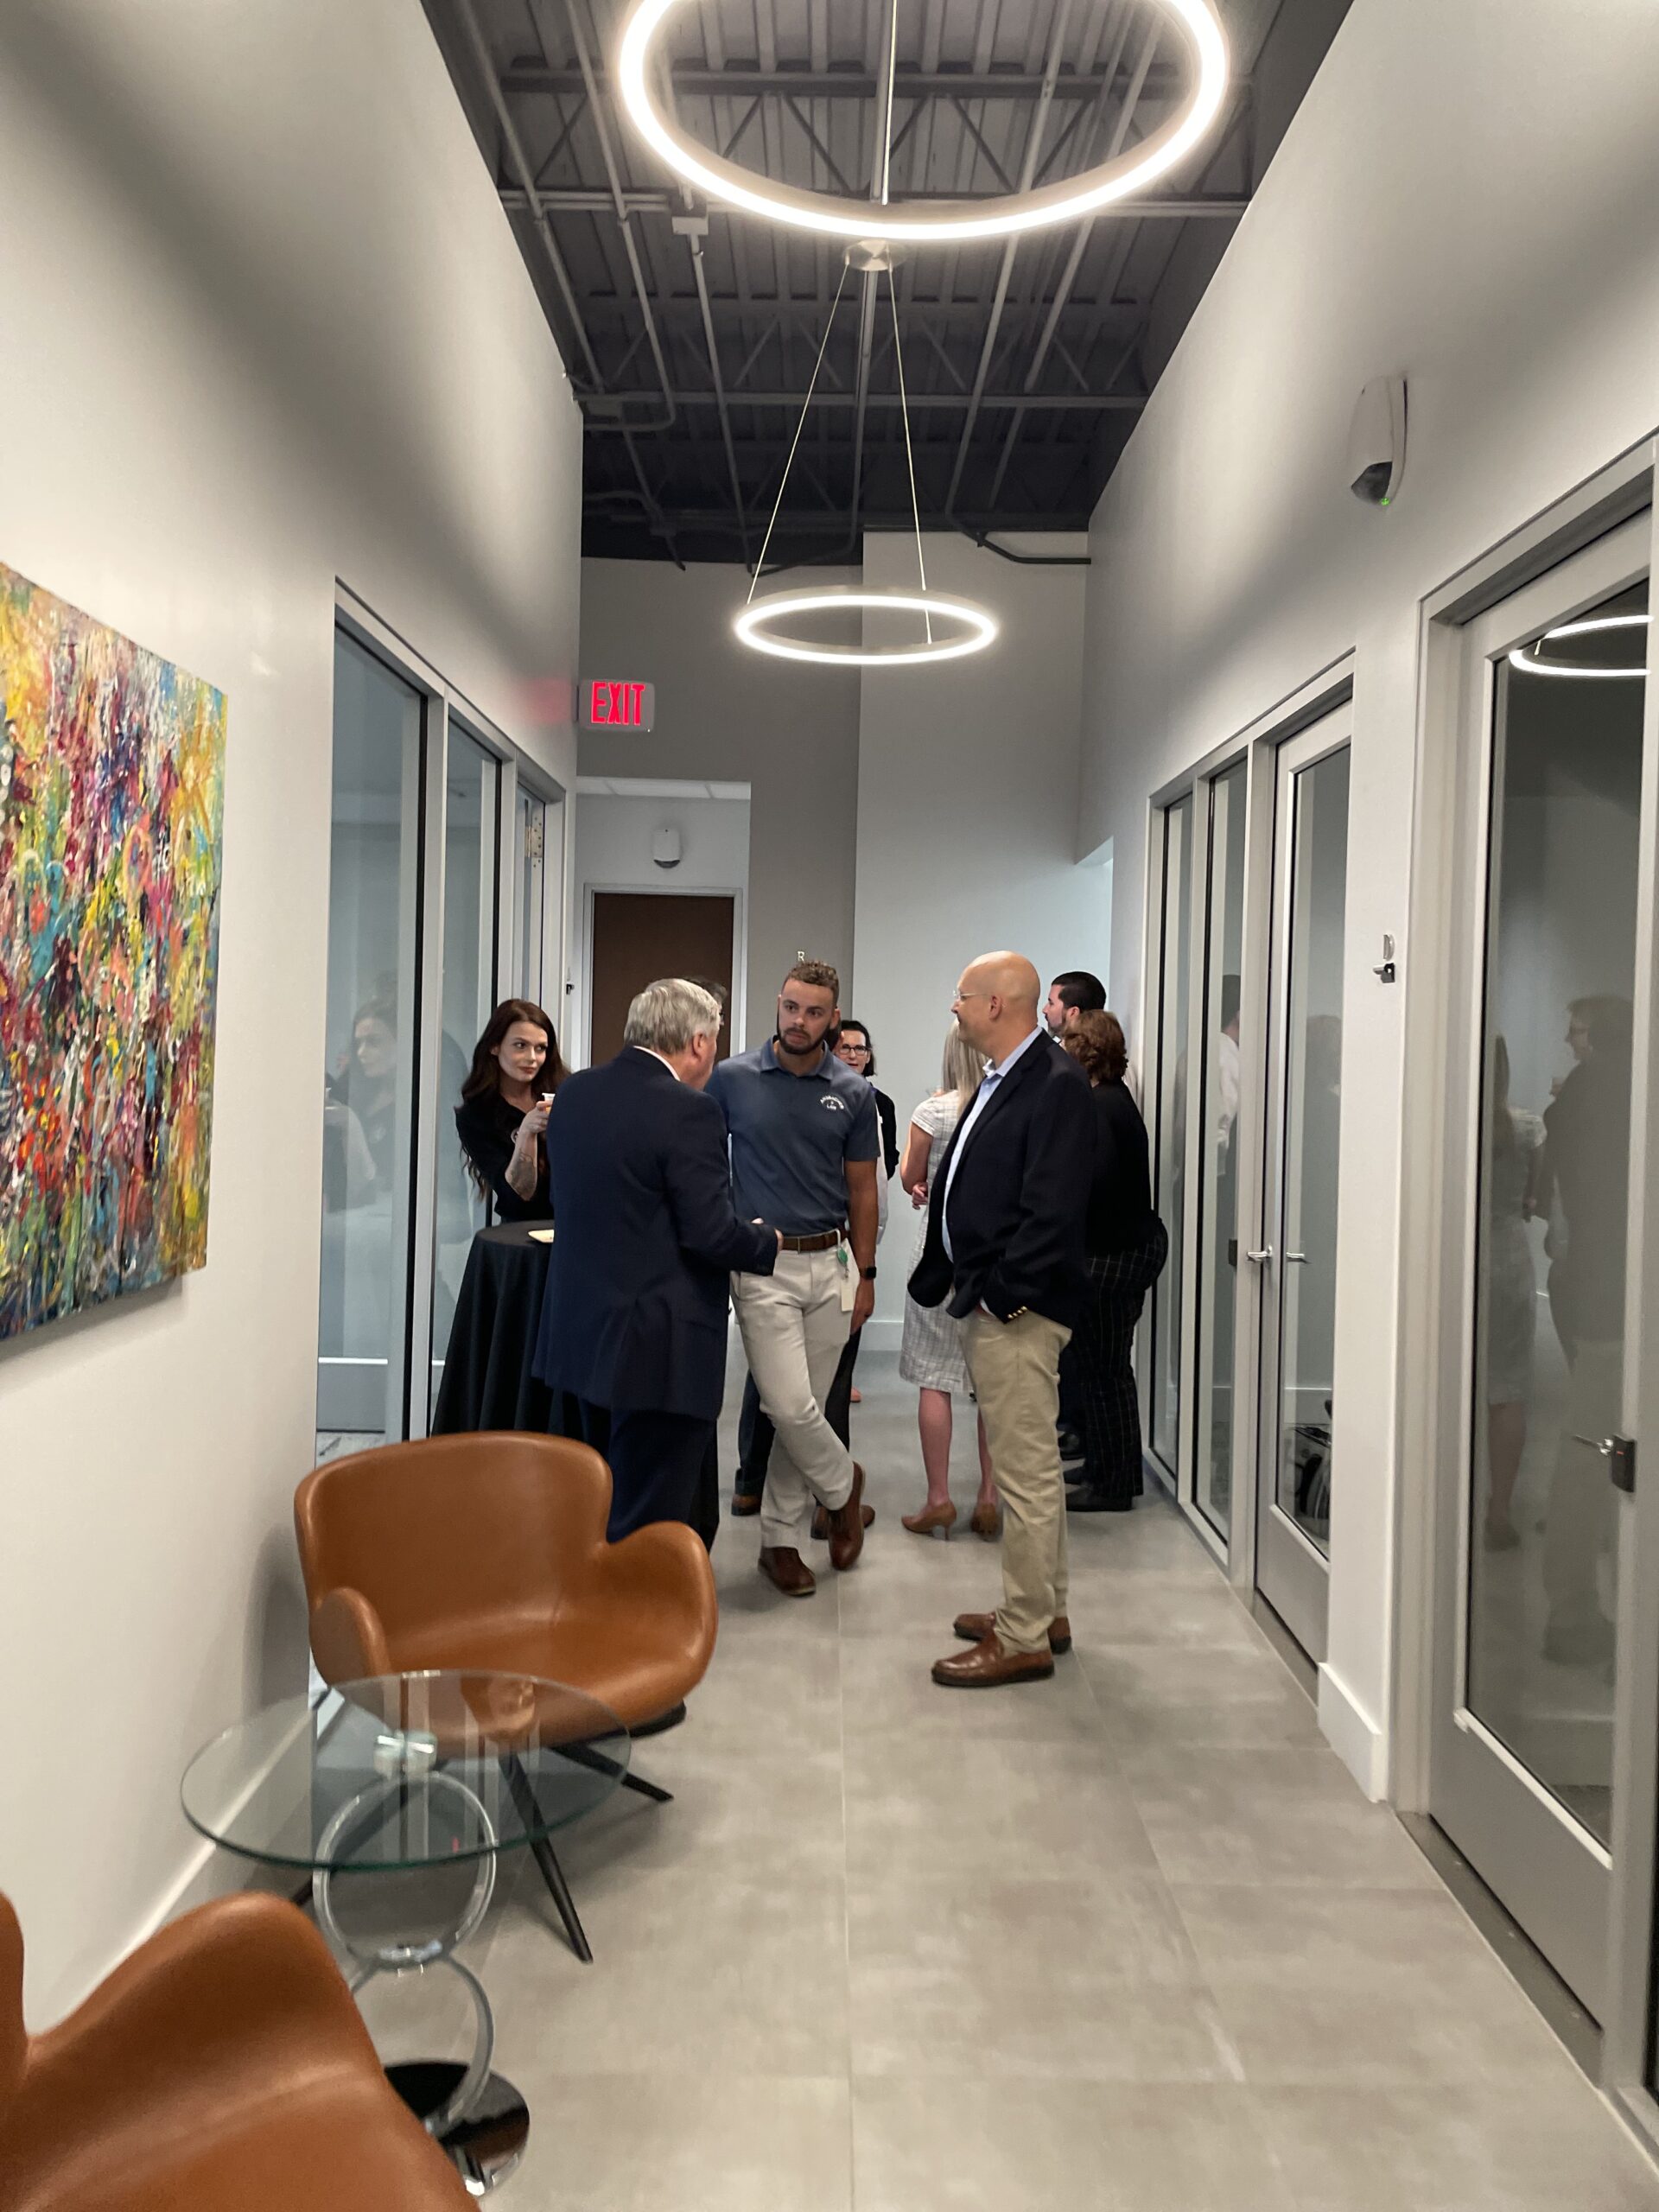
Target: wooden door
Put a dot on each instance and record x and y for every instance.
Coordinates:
(641, 936)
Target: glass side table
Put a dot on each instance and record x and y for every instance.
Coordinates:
(404, 1772)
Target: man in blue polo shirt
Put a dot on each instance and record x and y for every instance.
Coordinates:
(805, 1141)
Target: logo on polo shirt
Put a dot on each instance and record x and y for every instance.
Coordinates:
(835, 1105)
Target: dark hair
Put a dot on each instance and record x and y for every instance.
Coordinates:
(1095, 1041)
(1077, 988)
(819, 973)
(718, 992)
(869, 1041)
(485, 1074)
(1607, 1021)
(1231, 993)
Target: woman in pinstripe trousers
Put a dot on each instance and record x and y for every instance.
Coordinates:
(1127, 1246)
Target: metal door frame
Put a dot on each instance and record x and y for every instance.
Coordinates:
(1257, 742)
(1301, 1572)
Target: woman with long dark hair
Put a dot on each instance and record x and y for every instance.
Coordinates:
(503, 1111)
(1127, 1246)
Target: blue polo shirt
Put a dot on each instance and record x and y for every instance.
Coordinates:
(791, 1136)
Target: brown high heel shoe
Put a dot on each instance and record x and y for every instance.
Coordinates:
(987, 1522)
(931, 1517)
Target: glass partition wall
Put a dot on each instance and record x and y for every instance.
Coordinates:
(441, 900)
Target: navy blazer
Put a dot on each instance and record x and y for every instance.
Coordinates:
(634, 1314)
(1019, 1199)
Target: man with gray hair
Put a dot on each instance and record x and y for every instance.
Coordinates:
(633, 1338)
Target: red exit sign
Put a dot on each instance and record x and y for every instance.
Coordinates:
(607, 704)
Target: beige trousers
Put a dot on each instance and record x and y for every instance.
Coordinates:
(1015, 1366)
(794, 1330)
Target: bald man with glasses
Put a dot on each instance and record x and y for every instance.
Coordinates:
(1005, 1251)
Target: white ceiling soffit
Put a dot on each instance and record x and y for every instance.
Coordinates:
(656, 787)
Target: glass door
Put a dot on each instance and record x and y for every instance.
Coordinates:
(1530, 1626)
(1163, 1426)
(1297, 1258)
(471, 847)
(1218, 1141)
(374, 891)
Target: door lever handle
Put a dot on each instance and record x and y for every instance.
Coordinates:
(1256, 1259)
(1619, 1453)
(1300, 1258)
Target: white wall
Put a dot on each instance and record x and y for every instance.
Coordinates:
(732, 715)
(1471, 203)
(966, 821)
(268, 328)
(613, 854)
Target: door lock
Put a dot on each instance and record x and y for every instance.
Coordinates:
(1619, 1453)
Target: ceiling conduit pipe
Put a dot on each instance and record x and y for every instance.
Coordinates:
(520, 164)
(1079, 246)
(1028, 170)
(613, 177)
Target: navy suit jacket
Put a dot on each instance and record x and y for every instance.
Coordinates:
(1019, 1199)
(634, 1316)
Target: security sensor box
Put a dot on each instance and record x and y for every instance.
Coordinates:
(1376, 443)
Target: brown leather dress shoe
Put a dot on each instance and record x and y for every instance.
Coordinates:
(784, 1567)
(745, 1502)
(821, 1523)
(988, 1666)
(846, 1526)
(974, 1628)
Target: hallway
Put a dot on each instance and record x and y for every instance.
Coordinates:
(1130, 1940)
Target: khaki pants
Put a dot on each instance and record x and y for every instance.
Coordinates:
(794, 1330)
(1015, 1366)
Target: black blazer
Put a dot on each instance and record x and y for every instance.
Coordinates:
(1018, 1201)
(634, 1315)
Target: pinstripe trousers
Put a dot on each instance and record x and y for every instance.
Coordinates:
(1118, 1283)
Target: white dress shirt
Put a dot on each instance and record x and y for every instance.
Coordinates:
(983, 1098)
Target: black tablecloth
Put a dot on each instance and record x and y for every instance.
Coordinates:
(487, 1382)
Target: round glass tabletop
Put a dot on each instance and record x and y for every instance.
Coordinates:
(406, 1771)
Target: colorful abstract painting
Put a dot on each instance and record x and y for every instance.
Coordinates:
(111, 789)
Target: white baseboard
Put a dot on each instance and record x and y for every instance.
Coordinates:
(883, 1336)
(1353, 1735)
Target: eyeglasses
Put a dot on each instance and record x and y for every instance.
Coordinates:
(961, 995)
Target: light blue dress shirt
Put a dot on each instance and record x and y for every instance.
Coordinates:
(983, 1098)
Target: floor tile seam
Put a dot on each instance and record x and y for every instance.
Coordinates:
(846, 1902)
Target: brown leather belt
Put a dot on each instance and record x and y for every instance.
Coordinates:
(826, 1241)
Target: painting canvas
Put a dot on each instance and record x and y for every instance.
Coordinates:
(111, 787)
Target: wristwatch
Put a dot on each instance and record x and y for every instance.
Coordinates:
(867, 1274)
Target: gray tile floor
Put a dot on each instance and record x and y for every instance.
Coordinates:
(1129, 1941)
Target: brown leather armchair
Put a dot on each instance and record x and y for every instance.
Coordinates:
(223, 2065)
(489, 1551)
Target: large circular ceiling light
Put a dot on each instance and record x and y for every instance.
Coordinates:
(933, 222)
(973, 628)
(1528, 656)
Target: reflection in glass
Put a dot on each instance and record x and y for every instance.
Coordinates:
(1218, 1159)
(469, 869)
(532, 877)
(1306, 1275)
(368, 1086)
(1175, 973)
(1554, 1167)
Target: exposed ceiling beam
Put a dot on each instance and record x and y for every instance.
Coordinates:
(584, 200)
(600, 405)
(740, 83)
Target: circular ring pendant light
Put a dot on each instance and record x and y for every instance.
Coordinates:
(975, 627)
(927, 222)
(1527, 656)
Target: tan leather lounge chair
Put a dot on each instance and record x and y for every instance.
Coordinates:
(489, 1551)
(223, 2065)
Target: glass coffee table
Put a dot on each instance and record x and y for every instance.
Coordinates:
(403, 1773)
